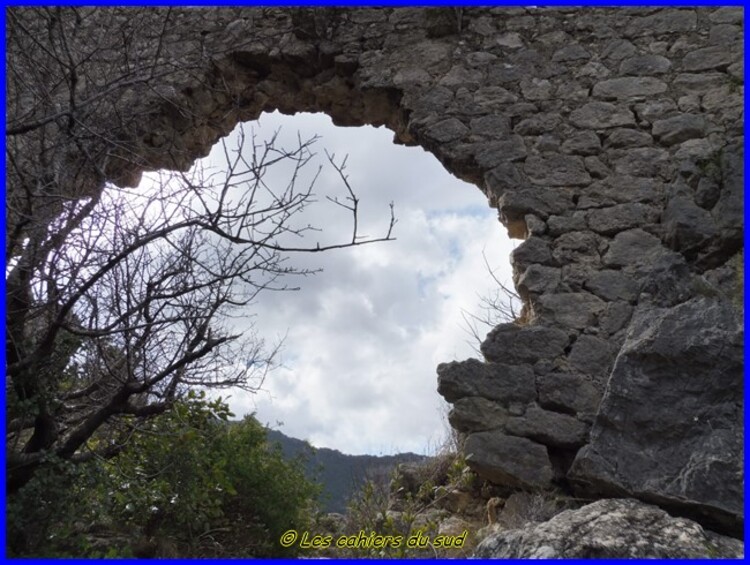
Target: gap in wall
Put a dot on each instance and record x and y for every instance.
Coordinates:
(362, 338)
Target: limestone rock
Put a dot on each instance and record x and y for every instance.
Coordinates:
(600, 115)
(447, 130)
(612, 285)
(578, 247)
(491, 154)
(644, 162)
(628, 87)
(669, 427)
(556, 170)
(679, 128)
(523, 508)
(725, 33)
(548, 428)
(699, 83)
(634, 248)
(570, 53)
(476, 414)
(577, 310)
(453, 526)
(728, 213)
(569, 393)
(733, 15)
(665, 21)
(583, 143)
(494, 381)
(718, 57)
(655, 109)
(595, 167)
(615, 317)
(538, 124)
(533, 250)
(517, 204)
(688, 226)
(625, 137)
(538, 279)
(512, 344)
(508, 461)
(645, 65)
(621, 189)
(558, 225)
(504, 177)
(611, 529)
(491, 125)
(592, 356)
(510, 40)
(618, 49)
(536, 89)
(609, 221)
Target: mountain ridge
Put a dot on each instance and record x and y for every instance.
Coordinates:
(340, 474)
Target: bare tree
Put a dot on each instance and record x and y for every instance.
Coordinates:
(121, 301)
(500, 306)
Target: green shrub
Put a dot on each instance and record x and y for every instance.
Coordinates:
(191, 484)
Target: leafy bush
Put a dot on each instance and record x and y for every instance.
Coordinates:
(191, 484)
(48, 516)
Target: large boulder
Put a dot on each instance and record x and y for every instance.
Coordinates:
(611, 528)
(669, 428)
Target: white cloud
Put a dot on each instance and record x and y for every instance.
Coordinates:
(364, 336)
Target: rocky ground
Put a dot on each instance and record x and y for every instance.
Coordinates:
(444, 497)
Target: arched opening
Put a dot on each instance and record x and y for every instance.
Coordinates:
(362, 336)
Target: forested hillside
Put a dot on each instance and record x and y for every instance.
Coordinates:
(340, 475)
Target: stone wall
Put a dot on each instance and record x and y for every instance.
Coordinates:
(609, 140)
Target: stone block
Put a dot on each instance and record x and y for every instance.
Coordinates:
(476, 414)
(574, 52)
(577, 310)
(532, 250)
(628, 87)
(578, 247)
(570, 393)
(601, 115)
(663, 21)
(493, 381)
(645, 65)
(556, 170)
(614, 219)
(679, 128)
(633, 248)
(626, 137)
(538, 124)
(582, 143)
(446, 131)
(592, 356)
(613, 285)
(513, 344)
(650, 162)
(538, 279)
(548, 428)
(508, 461)
(709, 58)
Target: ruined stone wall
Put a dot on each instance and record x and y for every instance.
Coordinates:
(609, 140)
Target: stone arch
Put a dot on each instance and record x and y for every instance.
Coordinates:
(609, 140)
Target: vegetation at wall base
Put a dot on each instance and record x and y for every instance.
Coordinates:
(188, 486)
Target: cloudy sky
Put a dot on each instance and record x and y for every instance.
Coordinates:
(364, 336)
